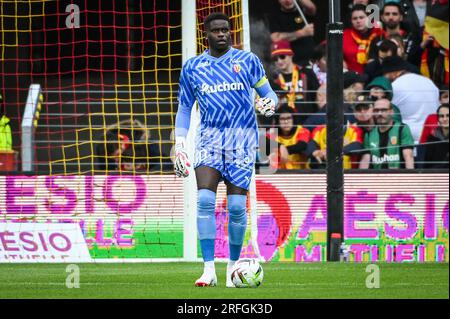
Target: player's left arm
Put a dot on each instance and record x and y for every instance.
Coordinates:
(267, 98)
(186, 100)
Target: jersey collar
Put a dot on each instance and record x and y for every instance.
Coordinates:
(210, 57)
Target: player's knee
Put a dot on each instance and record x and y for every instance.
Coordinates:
(237, 208)
(206, 202)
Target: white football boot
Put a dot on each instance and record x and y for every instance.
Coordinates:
(229, 282)
(208, 279)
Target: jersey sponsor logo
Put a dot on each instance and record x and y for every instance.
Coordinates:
(223, 87)
(385, 158)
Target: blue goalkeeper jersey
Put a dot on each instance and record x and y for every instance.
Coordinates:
(223, 88)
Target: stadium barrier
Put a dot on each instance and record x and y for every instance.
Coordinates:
(394, 217)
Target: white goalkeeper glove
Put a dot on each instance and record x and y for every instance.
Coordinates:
(181, 158)
(266, 106)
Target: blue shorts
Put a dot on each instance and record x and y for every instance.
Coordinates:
(235, 166)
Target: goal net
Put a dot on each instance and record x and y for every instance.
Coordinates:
(102, 130)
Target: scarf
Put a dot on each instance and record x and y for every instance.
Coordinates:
(296, 75)
(363, 46)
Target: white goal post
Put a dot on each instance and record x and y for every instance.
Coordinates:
(189, 45)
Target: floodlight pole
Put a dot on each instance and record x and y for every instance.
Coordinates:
(335, 123)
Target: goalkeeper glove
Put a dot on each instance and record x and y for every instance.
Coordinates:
(181, 158)
(266, 106)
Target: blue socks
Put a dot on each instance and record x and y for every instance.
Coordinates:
(237, 224)
(206, 222)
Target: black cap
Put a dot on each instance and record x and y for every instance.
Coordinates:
(362, 101)
(392, 64)
(352, 77)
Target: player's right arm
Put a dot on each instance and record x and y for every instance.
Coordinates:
(186, 99)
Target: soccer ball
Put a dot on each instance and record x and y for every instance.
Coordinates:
(247, 273)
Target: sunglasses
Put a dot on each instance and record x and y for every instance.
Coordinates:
(281, 57)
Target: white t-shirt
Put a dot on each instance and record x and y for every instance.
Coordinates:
(417, 97)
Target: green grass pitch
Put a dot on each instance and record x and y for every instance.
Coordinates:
(176, 281)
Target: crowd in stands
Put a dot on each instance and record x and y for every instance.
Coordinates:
(395, 88)
(395, 80)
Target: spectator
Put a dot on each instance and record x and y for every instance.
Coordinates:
(349, 6)
(363, 112)
(320, 117)
(391, 47)
(116, 139)
(109, 150)
(5, 130)
(436, 149)
(385, 48)
(298, 82)
(319, 63)
(431, 122)
(354, 84)
(317, 147)
(415, 12)
(397, 39)
(141, 158)
(5, 134)
(434, 62)
(415, 95)
(392, 16)
(379, 88)
(292, 141)
(443, 95)
(390, 144)
(287, 24)
(357, 39)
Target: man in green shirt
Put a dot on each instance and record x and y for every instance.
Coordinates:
(390, 144)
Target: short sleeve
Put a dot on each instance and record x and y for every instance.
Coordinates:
(407, 140)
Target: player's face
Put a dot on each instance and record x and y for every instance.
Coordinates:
(219, 35)
(391, 17)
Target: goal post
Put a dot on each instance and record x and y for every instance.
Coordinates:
(189, 45)
(29, 120)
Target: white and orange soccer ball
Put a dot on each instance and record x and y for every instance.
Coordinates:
(247, 273)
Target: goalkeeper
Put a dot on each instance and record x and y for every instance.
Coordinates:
(221, 80)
